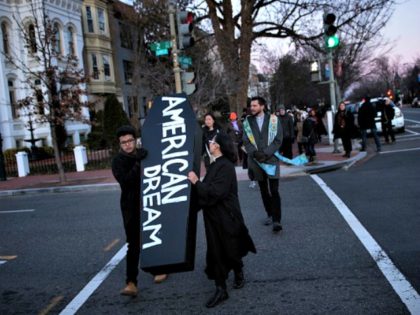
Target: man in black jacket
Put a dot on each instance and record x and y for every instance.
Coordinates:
(387, 115)
(366, 120)
(126, 170)
(262, 151)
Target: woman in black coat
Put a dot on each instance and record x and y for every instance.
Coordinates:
(344, 128)
(227, 236)
(210, 129)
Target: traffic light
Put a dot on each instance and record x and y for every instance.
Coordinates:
(185, 25)
(188, 85)
(331, 38)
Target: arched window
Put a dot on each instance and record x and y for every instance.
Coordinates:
(70, 41)
(56, 40)
(12, 97)
(32, 38)
(5, 37)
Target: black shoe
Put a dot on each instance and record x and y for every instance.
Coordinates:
(239, 280)
(268, 221)
(219, 296)
(277, 227)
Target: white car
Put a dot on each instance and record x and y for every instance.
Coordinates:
(398, 121)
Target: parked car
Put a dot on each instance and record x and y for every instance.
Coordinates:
(398, 123)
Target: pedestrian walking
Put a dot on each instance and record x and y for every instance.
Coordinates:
(227, 236)
(344, 128)
(300, 118)
(210, 129)
(310, 136)
(234, 130)
(366, 120)
(126, 170)
(263, 136)
(288, 133)
(387, 115)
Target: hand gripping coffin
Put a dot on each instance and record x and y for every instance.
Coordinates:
(172, 137)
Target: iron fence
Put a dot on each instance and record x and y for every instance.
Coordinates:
(97, 159)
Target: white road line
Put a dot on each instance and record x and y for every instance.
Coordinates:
(399, 283)
(399, 151)
(17, 211)
(93, 284)
(411, 120)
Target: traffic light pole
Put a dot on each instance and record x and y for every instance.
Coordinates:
(333, 103)
(175, 51)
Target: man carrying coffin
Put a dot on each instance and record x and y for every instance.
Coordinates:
(126, 170)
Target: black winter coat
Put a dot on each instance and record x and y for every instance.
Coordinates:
(227, 236)
(366, 116)
(126, 170)
(349, 130)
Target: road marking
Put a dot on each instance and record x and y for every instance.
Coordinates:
(93, 284)
(399, 283)
(111, 245)
(398, 151)
(411, 120)
(10, 257)
(50, 306)
(17, 211)
(5, 259)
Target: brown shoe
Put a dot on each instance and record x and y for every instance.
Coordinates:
(130, 289)
(160, 278)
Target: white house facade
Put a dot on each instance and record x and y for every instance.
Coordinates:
(66, 17)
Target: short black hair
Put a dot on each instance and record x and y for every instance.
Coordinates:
(126, 130)
(260, 100)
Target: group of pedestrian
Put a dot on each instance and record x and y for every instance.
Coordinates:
(257, 138)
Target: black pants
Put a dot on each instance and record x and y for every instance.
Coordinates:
(347, 143)
(271, 198)
(132, 232)
(286, 148)
(388, 131)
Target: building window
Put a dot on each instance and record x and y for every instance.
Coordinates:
(101, 20)
(133, 106)
(56, 39)
(70, 41)
(107, 69)
(95, 70)
(125, 36)
(89, 19)
(5, 38)
(128, 71)
(12, 98)
(32, 39)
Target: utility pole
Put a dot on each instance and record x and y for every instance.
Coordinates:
(175, 51)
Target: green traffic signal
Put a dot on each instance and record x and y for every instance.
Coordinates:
(332, 41)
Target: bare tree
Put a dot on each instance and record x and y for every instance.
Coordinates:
(300, 21)
(56, 83)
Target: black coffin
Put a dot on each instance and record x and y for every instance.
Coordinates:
(172, 137)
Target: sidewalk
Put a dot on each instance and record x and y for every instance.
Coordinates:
(103, 179)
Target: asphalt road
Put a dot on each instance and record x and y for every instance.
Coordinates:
(317, 265)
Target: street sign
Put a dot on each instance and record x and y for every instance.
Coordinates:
(161, 48)
(185, 62)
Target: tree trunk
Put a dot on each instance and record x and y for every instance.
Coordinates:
(57, 156)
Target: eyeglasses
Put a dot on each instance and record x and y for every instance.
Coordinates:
(129, 141)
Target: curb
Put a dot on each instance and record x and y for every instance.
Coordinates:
(301, 171)
(62, 189)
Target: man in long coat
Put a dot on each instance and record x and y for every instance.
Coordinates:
(260, 149)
